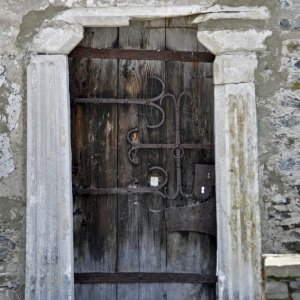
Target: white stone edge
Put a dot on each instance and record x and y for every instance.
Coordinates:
(223, 8)
(228, 12)
(233, 41)
(281, 260)
(139, 12)
(65, 263)
(250, 15)
(235, 68)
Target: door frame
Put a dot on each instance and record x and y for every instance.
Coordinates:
(49, 233)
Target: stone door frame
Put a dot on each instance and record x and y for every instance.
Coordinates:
(49, 233)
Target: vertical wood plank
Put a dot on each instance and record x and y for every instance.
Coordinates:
(190, 251)
(95, 165)
(141, 219)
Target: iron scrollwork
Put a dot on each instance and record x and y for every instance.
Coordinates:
(177, 149)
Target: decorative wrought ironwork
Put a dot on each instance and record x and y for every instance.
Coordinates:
(177, 148)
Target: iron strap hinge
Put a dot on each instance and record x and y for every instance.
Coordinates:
(138, 277)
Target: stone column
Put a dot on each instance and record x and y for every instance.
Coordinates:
(238, 218)
(49, 245)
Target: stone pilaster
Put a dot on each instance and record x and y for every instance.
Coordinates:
(49, 245)
(239, 238)
(238, 218)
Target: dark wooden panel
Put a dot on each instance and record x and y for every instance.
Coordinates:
(197, 218)
(189, 251)
(141, 230)
(94, 129)
(141, 277)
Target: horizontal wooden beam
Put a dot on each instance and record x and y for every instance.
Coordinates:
(133, 54)
(92, 278)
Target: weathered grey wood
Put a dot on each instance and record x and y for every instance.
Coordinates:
(197, 218)
(147, 230)
(130, 86)
(95, 165)
(95, 292)
(138, 221)
(190, 251)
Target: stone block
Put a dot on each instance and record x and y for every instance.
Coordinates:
(295, 285)
(227, 12)
(282, 265)
(290, 47)
(116, 14)
(234, 68)
(6, 157)
(6, 247)
(296, 296)
(228, 41)
(277, 290)
(57, 37)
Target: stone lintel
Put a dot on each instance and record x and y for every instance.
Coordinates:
(49, 236)
(62, 34)
(234, 68)
(239, 237)
(227, 12)
(250, 15)
(81, 15)
(223, 8)
(95, 21)
(230, 41)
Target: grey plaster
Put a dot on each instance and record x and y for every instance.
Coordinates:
(6, 159)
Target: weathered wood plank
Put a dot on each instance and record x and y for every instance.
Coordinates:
(95, 291)
(128, 205)
(188, 251)
(144, 249)
(95, 165)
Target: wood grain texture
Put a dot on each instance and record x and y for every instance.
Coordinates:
(189, 251)
(127, 233)
(95, 165)
(147, 251)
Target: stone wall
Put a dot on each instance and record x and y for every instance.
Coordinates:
(278, 104)
(282, 277)
(279, 138)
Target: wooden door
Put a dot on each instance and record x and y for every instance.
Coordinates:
(137, 232)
